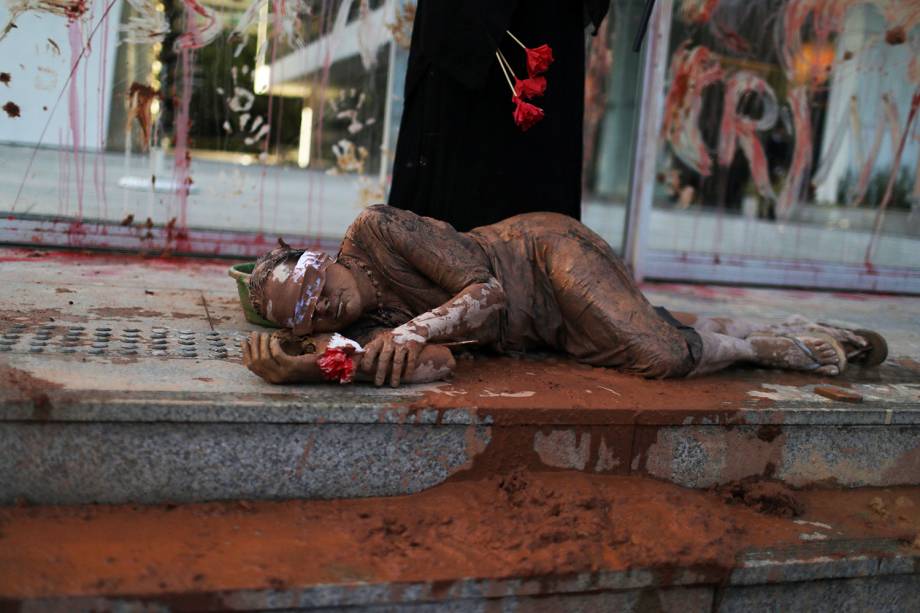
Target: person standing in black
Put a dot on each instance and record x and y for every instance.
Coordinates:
(460, 157)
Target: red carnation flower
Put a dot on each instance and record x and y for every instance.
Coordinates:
(336, 365)
(526, 115)
(539, 59)
(530, 88)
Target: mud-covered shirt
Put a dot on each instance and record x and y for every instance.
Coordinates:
(564, 286)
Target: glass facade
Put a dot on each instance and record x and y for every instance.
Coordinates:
(783, 130)
(789, 136)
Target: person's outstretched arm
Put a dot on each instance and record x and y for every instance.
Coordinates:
(276, 358)
(400, 351)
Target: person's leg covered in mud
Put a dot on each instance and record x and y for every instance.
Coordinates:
(795, 343)
(610, 323)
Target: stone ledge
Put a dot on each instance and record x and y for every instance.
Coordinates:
(816, 584)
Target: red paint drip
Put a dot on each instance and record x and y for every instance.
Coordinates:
(99, 160)
(182, 154)
(895, 169)
(75, 36)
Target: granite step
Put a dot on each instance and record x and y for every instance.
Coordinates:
(135, 409)
(526, 542)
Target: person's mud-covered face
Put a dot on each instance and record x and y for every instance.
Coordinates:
(312, 296)
(339, 303)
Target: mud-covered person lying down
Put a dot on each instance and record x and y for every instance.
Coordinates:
(402, 287)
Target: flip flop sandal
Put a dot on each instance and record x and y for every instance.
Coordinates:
(838, 348)
(873, 354)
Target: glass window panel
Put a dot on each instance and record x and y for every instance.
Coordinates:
(790, 132)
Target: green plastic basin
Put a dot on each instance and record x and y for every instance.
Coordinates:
(241, 273)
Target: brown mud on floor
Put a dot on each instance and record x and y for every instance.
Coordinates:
(536, 383)
(125, 312)
(39, 316)
(518, 525)
(17, 385)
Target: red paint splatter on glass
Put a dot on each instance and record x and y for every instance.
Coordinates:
(697, 11)
(741, 130)
(895, 169)
(75, 36)
(888, 115)
(198, 35)
(692, 71)
(802, 153)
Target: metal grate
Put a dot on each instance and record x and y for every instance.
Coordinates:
(106, 340)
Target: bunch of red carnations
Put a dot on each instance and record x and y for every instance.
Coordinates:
(526, 115)
(337, 364)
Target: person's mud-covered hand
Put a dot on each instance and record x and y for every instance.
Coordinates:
(392, 351)
(264, 355)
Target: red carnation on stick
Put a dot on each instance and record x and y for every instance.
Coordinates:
(336, 365)
(526, 115)
(530, 88)
(538, 59)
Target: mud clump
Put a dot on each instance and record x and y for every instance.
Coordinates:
(896, 36)
(878, 505)
(22, 385)
(767, 497)
(12, 110)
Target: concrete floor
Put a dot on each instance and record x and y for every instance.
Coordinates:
(143, 354)
(62, 287)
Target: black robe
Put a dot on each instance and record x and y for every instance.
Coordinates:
(459, 157)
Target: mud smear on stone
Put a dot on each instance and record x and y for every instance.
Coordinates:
(180, 315)
(40, 316)
(124, 312)
(908, 363)
(768, 497)
(562, 384)
(19, 385)
(506, 387)
(895, 370)
(11, 109)
(520, 524)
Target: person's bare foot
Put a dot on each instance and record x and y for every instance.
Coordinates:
(816, 353)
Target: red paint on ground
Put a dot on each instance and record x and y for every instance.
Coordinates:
(518, 525)
(93, 258)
